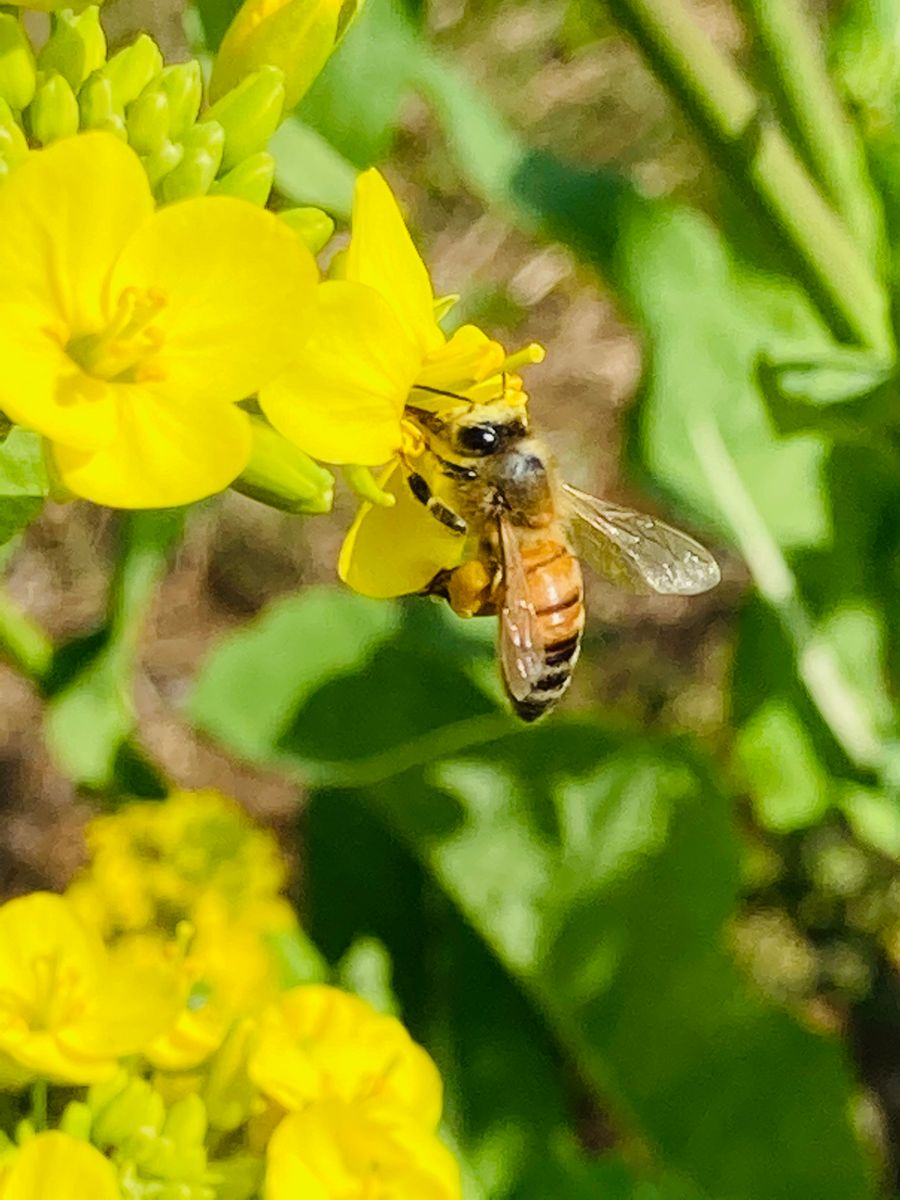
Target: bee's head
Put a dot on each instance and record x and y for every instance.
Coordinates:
(476, 428)
(489, 428)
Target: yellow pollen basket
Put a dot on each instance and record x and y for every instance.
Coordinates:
(125, 351)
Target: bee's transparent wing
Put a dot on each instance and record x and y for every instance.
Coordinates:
(636, 551)
(521, 648)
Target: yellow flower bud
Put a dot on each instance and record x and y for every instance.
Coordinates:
(13, 147)
(249, 113)
(311, 225)
(203, 146)
(76, 47)
(76, 1120)
(161, 162)
(122, 1106)
(249, 180)
(296, 35)
(147, 121)
(282, 476)
(131, 69)
(183, 86)
(18, 74)
(53, 113)
(186, 1122)
(98, 108)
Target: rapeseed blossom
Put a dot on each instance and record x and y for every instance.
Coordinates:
(127, 336)
(375, 346)
(250, 1090)
(198, 871)
(69, 1006)
(152, 865)
(365, 1151)
(317, 1041)
(55, 1166)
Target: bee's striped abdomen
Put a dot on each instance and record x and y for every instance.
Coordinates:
(557, 595)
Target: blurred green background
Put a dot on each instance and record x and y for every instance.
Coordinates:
(652, 943)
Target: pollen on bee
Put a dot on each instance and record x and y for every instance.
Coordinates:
(413, 442)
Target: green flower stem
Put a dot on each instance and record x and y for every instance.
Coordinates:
(23, 644)
(756, 154)
(815, 117)
(38, 1115)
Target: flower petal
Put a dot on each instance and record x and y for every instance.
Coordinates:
(381, 254)
(164, 454)
(395, 551)
(342, 398)
(54, 1164)
(66, 214)
(469, 356)
(334, 1149)
(239, 286)
(43, 389)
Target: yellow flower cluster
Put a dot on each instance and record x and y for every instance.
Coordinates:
(150, 1048)
(165, 353)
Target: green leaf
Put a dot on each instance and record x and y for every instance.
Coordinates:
(848, 397)
(707, 327)
(23, 470)
(215, 17)
(250, 690)
(601, 870)
(15, 515)
(23, 481)
(787, 782)
(598, 870)
(310, 171)
(355, 103)
(874, 817)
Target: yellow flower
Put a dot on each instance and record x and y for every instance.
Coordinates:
(320, 1042)
(338, 1151)
(69, 1009)
(232, 974)
(128, 334)
(152, 863)
(51, 1166)
(373, 338)
(296, 35)
(375, 345)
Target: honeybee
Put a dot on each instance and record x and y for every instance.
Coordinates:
(485, 477)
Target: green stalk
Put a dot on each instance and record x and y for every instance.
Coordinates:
(23, 644)
(754, 152)
(809, 104)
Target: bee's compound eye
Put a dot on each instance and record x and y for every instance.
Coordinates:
(478, 439)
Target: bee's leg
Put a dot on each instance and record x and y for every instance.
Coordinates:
(442, 512)
(455, 470)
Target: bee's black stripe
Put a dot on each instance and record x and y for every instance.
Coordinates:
(553, 681)
(558, 653)
(561, 605)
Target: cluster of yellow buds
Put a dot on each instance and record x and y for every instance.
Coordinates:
(150, 1045)
(187, 148)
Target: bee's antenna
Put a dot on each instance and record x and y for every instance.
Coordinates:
(423, 387)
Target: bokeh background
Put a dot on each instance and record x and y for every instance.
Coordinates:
(654, 943)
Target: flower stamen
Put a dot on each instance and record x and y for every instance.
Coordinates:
(125, 350)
